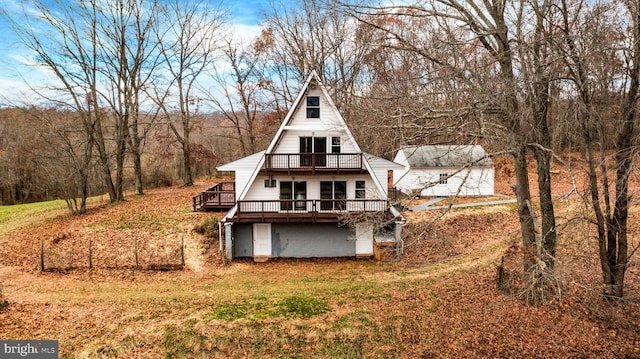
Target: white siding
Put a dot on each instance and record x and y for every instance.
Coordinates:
(243, 169)
(327, 114)
(479, 181)
(258, 192)
(399, 174)
(380, 168)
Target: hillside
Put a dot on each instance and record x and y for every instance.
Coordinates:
(439, 301)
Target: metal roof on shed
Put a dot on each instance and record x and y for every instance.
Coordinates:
(446, 156)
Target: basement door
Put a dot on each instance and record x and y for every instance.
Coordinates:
(364, 239)
(262, 240)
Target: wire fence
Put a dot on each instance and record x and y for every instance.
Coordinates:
(55, 255)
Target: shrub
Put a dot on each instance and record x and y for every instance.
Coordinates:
(209, 227)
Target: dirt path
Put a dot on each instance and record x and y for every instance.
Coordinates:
(193, 253)
(481, 257)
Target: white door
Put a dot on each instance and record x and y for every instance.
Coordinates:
(364, 239)
(262, 240)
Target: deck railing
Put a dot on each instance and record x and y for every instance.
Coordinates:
(304, 206)
(313, 161)
(220, 196)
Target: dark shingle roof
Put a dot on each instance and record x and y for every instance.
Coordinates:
(446, 156)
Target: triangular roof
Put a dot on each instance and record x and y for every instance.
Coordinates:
(312, 79)
(446, 156)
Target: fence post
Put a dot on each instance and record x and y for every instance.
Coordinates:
(42, 255)
(182, 251)
(90, 260)
(135, 251)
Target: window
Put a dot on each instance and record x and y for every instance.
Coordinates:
(360, 189)
(293, 195)
(313, 107)
(269, 183)
(312, 151)
(333, 195)
(443, 178)
(335, 144)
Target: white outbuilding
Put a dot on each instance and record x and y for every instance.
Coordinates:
(444, 170)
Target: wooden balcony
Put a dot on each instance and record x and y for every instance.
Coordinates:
(306, 210)
(313, 163)
(219, 197)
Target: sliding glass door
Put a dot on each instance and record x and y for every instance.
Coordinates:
(333, 195)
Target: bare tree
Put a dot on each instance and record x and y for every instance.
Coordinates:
(317, 37)
(130, 58)
(188, 46)
(602, 60)
(64, 40)
(240, 101)
(492, 30)
(64, 155)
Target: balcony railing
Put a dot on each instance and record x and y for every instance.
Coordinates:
(220, 196)
(313, 162)
(314, 210)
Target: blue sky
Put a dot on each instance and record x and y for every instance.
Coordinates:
(244, 20)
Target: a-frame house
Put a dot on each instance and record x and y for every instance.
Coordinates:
(312, 192)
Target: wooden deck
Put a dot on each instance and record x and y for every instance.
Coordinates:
(307, 210)
(219, 197)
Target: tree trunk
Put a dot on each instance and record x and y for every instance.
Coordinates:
(121, 150)
(135, 144)
(104, 162)
(137, 169)
(617, 240)
(543, 150)
(525, 214)
(186, 154)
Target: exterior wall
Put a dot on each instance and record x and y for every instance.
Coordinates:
(242, 240)
(328, 125)
(475, 182)
(290, 142)
(328, 116)
(298, 240)
(380, 168)
(399, 174)
(243, 170)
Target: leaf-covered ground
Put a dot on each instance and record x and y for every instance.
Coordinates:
(439, 301)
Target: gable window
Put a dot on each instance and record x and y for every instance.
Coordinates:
(443, 178)
(335, 144)
(313, 107)
(360, 189)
